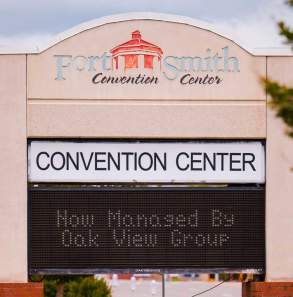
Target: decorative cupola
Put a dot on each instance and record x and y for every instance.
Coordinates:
(136, 53)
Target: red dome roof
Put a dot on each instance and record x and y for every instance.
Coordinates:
(136, 44)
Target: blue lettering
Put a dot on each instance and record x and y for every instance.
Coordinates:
(171, 68)
(228, 59)
(60, 64)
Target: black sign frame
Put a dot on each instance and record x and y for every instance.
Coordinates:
(246, 189)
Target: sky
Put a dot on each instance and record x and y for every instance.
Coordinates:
(252, 23)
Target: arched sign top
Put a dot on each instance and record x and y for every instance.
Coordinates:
(136, 16)
(144, 56)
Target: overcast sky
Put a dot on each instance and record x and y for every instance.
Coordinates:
(251, 22)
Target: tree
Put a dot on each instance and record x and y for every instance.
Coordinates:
(87, 287)
(54, 285)
(281, 95)
(73, 286)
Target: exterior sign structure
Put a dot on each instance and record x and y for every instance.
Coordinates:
(88, 230)
(91, 195)
(185, 162)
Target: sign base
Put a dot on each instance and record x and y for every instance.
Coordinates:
(267, 289)
(21, 290)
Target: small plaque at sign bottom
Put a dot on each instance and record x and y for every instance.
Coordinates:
(165, 229)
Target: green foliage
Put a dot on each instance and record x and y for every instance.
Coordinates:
(281, 95)
(87, 287)
(63, 279)
(53, 282)
(76, 286)
(36, 278)
(50, 287)
(285, 30)
(224, 277)
(282, 102)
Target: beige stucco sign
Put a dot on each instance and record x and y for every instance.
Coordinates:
(141, 77)
(141, 59)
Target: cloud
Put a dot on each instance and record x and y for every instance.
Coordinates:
(33, 17)
(23, 43)
(251, 22)
(259, 30)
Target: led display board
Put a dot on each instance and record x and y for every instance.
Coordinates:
(149, 229)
